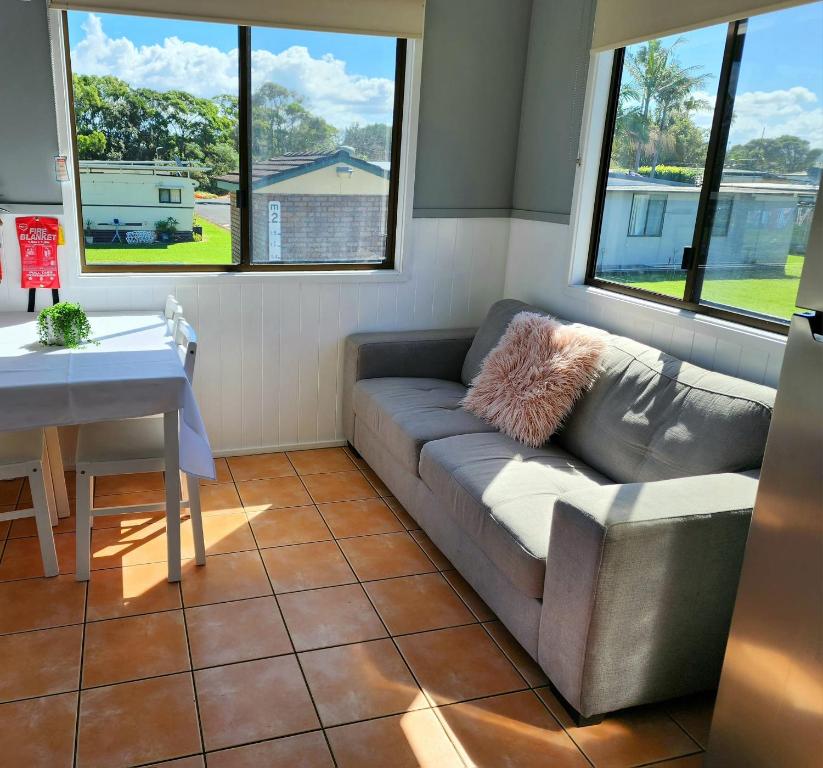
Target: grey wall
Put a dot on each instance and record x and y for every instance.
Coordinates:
(28, 126)
(474, 56)
(552, 109)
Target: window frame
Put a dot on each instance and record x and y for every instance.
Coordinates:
(161, 201)
(695, 256)
(651, 196)
(246, 265)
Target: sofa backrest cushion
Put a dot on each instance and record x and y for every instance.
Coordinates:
(650, 416)
(490, 332)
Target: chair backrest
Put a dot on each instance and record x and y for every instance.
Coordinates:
(186, 341)
(173, 311)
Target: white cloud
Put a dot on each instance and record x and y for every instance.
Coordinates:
(329, 89)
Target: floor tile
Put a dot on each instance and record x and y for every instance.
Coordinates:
(632, 737)
(307, 566)
(134, 647)
(339, 486)
(252, 701)
(22, 558)
(305, 750)
(458, 663)
(129, 544)
(694, 714)
(39, 733)
(469, 596)
(238, 631)
(229, 532)
(222, 474)
(516, 654)
(140, 722)
(360, 681)
(385, 556)
(513, 729)
(108, 485)
(196, 761)
(331, 616)
(320, 460)
(292, 525)
(223, 578)
(359, 518)
(260, 466)
(377, 483)
(692, 761)
(40, 663)
(412, 740)
(10, 490)
(24, 500)
(132, 590)
(220, 498)
(118, 520)
(402, 515)
(273, 493)
(417, 603)
(440, 561)
(27, 526)
(41, 603)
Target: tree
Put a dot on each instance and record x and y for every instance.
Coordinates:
(784, 154)
(371, 142)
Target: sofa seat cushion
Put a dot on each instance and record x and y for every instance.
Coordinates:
(502, 495)
(405, 414)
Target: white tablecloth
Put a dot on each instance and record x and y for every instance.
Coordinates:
(134, 370)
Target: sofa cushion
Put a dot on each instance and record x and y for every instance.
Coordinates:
(650, 416)
(490, 332)
(502, 495)
(406, 413)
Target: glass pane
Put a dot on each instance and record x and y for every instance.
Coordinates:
(155, 105)
(322, 110)
(667, 91)
(772, 167)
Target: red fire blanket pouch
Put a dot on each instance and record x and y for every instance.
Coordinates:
(38, 237)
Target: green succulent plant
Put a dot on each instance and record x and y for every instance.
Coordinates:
(65, 324)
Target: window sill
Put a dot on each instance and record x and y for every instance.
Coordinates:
(370, 276)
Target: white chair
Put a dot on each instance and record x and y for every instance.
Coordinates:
(173, 313)
(23, 454)
(132, 446)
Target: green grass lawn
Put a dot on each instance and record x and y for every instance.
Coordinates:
(215, 248)
(773, 295)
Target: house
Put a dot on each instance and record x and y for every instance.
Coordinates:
(124, 199)
(648, 222)
(323, 206)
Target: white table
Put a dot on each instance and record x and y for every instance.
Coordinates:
(133, 370)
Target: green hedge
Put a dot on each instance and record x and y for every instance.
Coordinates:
(673, 173)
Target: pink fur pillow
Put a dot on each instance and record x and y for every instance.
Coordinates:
(529, 382)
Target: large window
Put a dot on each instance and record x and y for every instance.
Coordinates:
(711, 166)
(211, 146)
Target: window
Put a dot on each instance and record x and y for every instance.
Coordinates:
(211, 146)
(170, 195)
(711, 165)
(646, 218)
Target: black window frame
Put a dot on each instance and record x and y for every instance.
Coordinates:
(645, 232)
(244, 192)
(161, 190)
(696, 255)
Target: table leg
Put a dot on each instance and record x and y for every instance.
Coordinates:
(58, 477)
(172, 457)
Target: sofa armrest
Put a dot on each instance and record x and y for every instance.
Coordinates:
(640, 585)
(436, 354)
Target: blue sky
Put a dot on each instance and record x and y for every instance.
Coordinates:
(344, 78)
(780, 89)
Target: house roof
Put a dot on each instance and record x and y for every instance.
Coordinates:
(265, 172)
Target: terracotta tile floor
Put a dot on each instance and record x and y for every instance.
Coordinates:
(326, 630)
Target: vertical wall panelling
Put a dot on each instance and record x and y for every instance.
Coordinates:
(270, 369)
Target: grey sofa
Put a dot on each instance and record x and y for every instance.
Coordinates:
(613, 552)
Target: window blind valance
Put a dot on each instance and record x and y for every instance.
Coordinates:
(392, 18)
(619, 23)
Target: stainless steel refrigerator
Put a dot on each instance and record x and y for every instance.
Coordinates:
(769, 709)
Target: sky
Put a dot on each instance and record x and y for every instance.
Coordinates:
(344, 78)
(780, 89)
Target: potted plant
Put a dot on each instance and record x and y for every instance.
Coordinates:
(65, 324)
(166, 228)
(87, 231)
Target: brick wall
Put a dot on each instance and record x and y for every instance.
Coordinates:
(319, 227)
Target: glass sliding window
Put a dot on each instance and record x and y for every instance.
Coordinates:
(323, 126)
(735, 144)
(155, 119)
(772, 157)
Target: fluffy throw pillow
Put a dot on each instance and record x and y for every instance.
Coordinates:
(529, 382)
